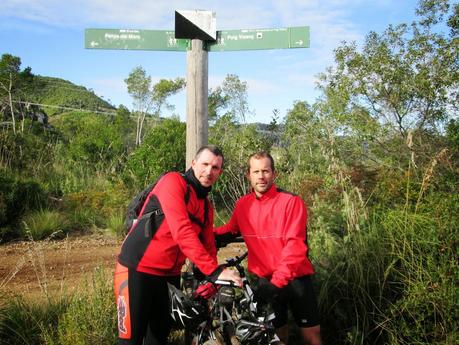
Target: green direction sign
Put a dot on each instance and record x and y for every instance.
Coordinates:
(134, 39)
(254, 39)
(245, 39)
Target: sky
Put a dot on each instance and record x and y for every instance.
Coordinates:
(48, 36)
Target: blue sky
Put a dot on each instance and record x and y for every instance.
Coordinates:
(48, 36)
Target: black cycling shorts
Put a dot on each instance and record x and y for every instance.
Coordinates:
(299, 296)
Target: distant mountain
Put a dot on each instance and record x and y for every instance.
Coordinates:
(58, 95)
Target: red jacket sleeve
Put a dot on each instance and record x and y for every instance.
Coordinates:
(295, 243)
(171, 195)
(232, 226)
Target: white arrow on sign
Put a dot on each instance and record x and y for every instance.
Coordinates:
(94, 44)
(300, 42)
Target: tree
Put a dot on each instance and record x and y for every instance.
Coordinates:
(230, 96)
(406, 77)
(138, 84)
(164, 89)
(163, 149)
(91, 141)
(215, 103)
(11, 81)
(147, 98)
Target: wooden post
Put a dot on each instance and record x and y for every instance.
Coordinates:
(196, 95)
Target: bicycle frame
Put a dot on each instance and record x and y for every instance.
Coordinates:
(233, 316)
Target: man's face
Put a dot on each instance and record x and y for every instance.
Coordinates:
(207, 167)
(261, 175)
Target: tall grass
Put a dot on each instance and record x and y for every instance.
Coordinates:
(43, 223)
(91, 315)
(85, 318)
(27, 322)
(115, 224)
(395, 280)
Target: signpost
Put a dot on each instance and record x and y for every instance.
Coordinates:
(131, 39)
(256, 39)
(195, 32)
(227, 40)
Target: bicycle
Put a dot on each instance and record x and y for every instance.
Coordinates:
(231, 317)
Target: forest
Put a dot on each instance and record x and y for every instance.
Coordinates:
(375, 158)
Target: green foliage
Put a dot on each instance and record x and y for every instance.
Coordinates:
(42, 224)
(238, 142)
(86, 318)
(13, 82)
(30, 152)
(91, 139)
(92, 208)
(16, 197)
(24, 322)
(403, 266)
(138, 85)
(452, 134)
(163, 149)
(375, 159)
(115, 224)
(232, 97)
(91, 315)
(164, 89)
(147, 98)
(59, 93)
(403, 77)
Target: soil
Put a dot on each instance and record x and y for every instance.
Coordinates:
(53, 267)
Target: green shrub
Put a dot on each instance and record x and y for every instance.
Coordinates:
(91, 315)
(394, 281)
(16, 197)
(42, 224)
(115, 224)
(162, 149)
(25, 322)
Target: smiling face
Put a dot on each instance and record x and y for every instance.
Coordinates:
(207, 167)
(260, 175)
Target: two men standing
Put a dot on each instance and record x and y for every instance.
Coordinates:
(271, 221)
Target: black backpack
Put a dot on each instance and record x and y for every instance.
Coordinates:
(136, 204)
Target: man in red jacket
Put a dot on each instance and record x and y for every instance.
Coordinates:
(273, 225)
(175, 223)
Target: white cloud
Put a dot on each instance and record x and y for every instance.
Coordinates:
(113, 84)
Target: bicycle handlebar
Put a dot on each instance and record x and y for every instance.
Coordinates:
(233, 262)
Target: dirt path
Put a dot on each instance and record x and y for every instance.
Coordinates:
(35, 269)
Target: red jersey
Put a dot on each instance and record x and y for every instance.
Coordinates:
(274, 230)
(160, 244)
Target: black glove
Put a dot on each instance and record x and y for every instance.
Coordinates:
(225, 239)
(266, 291)
(198, 275)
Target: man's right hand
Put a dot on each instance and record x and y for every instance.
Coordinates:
(228, 274)
(266, 291)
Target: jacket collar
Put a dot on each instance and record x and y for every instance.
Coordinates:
(201, 191)
(271, 193)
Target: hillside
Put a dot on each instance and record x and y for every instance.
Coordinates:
(63, 93)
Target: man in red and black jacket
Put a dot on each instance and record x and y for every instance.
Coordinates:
(273, 225)
(178, 226)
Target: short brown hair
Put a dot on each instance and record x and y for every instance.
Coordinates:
(260, 155)
(212, 148)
